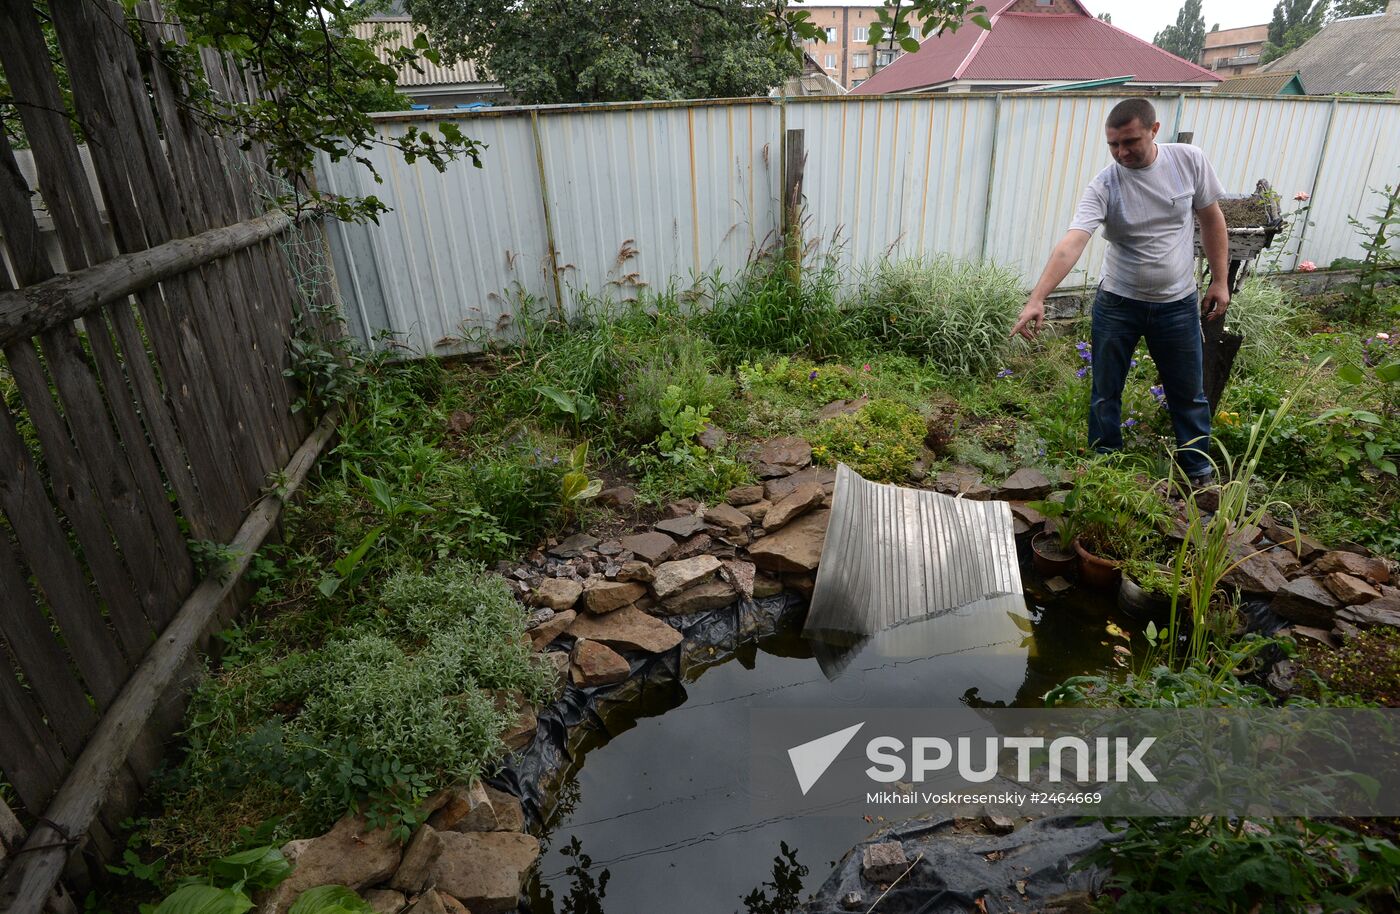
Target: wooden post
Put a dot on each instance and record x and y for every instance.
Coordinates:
(794, 161)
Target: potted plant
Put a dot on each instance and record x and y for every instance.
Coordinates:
(1146, 588)
(1116, 514)
(1052, 549)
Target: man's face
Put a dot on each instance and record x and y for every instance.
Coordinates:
(1132, 145)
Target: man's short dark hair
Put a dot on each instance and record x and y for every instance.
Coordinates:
(1132, 109)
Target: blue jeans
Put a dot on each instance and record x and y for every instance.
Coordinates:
(1173, 333)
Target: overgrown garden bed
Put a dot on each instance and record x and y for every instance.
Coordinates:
(368, 675)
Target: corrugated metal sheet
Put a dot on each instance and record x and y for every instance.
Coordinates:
(1034, 46)
(458, 249)
(398, 33)
(1041, 46)
(896, 177)
(1361, 54)
(1251, 138)
(650, 195)
(894, 555)
(643, 197)
(1363, 154)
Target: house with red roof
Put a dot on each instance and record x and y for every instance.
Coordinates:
(1035, 43)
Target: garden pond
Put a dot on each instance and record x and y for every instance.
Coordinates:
(653, 810)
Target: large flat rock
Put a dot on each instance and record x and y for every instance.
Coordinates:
(652, 546)
(796, 503)
(713, 594)
(1305, 601)
(796, 547)
(594, 664)
(603, 596)
(673, 577)
(485, 870)
(627, 629)
(350, 854)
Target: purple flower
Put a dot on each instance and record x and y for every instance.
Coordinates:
(1129, 423)
(1082, 372)
(1005, 373)
(1158, 394)
(1132, 363)
(813, 375)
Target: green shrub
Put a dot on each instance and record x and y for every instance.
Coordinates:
(377, 717)
(880, 442)
(973, 453)
(1261, 312)
(953, 313)
(801, 380)
(1366, 666)
(680, 360)
(1215, 863)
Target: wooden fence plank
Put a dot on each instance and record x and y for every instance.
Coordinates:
(84, 241)
(206, 201)
(81, 501)
(138, 512)
(40, 658)
(26, 884)
(138, 220)
(34, 85)
(60, 577)
(29, 753)
(227, 299)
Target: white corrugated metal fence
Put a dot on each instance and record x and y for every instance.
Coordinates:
(608, 200)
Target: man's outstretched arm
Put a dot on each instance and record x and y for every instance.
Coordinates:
(1215, 239)
(1062, 260)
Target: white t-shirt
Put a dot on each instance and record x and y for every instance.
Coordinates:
(1146, 214)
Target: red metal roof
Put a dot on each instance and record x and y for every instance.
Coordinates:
(1034, 46)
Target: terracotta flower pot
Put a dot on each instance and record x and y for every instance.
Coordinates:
(1095, 571)
(1048, 558)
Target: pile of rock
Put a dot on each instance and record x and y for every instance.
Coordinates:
(603, 598)
(472, 855)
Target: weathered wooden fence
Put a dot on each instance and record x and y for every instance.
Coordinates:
(146, 404)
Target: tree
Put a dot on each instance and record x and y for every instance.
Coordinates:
(546, 51)
(1185, 38)
(1294, 22)
(1345, 9)
(319, 84)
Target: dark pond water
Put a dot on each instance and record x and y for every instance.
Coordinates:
(661, 810)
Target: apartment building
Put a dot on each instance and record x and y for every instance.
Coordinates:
(846, 55)
(1234, 52)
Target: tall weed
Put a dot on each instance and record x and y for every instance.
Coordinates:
(955, 314)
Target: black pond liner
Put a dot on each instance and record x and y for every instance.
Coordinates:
(724, 630)
(953, 869)
(1036, 860)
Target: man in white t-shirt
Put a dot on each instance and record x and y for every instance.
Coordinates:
(1145, 202)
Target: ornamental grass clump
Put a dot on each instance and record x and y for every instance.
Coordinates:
(1261, 313)
(955, 314)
